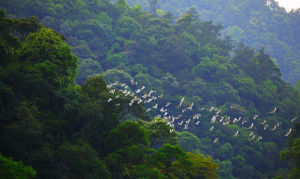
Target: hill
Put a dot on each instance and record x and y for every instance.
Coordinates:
(231, 86)
(257, 23)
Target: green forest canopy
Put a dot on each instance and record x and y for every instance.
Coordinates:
(257, 23)
(182, 57)
(64, 130)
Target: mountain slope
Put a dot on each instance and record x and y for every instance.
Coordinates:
(257, 23)
(184, 57)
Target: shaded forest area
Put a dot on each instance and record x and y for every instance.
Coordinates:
(257, 23)
(54, 111)
(64, 130)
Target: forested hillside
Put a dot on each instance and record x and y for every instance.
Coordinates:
(224, 99)
(64, 130)
(257, 23)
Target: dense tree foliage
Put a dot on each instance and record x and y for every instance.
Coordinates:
(292, 153)
(12, 169)
(257, 23)
(64, 130)
(183, 57)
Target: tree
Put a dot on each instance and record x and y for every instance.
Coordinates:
(127, 27)
(48, 53)
(189, 141)
(95, 87)
(80, 161)
(12, 169)
(203, 167)
(293, 152)
(160, 133)
(88, 67)
(126, 134)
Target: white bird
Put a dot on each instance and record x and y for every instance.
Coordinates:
(216, 140)
(143, 87)
(289, 132)
(213, 119)
(138, 91)
(149, 94)
(117, 96)
(155, 106)
(108, 86)
(221, 119)
(139, 101)
(259, 138)
(235, 120)
(294, 119)
(237, 132)
(274, 128)
(162, 110)
(201, 109)
(135, 99)
(251, 126)
(196, 116)
(278, 124)
(211, 109)
(183, 110)
(160, 96)
(130, 104)
(132, 82)
(180, 123)
(188, 121)
(144, 96)
(181, 101)
(109, 100)
(171, 130)
(265, 127)
(148, 109)
(263, 123)
(179, 116)
(148, 101)
(251, 134)
(173, 118)
(239, 118)
(228, 119)
(212, 128)
(197, 123)
(253, 137)
(112, 91)
(255, 116)
(190, 107)
(274, 110)
(167, 104)
(227, 122)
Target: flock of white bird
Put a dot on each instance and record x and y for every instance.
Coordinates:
(153, 104)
